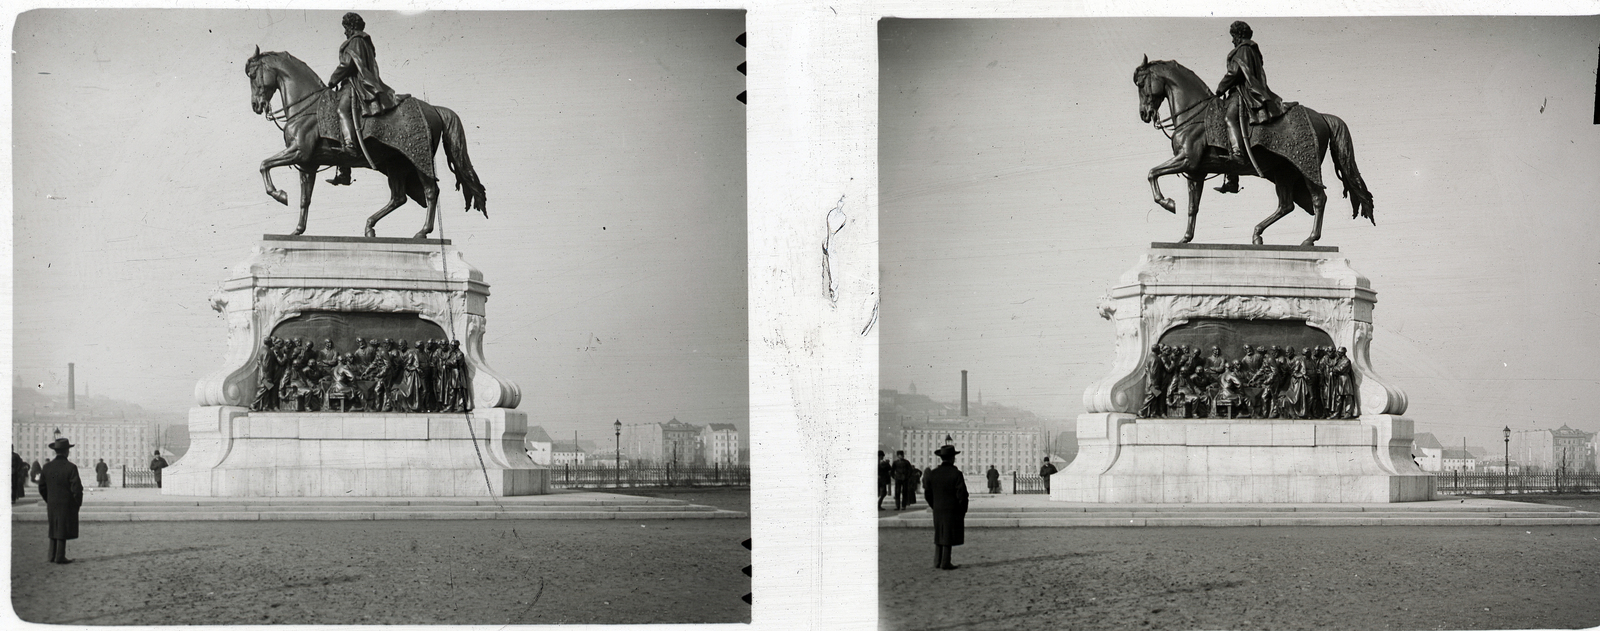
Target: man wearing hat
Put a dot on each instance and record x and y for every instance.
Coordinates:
(156, 466)
(62, 492)
(946, 491)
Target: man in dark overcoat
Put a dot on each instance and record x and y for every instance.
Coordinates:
(19, 477)
(1045, 471)
(102, 473)
(884, 469)
(946, 490)
(156, 466)
(993, 476)
(900, 472)
(62, 491)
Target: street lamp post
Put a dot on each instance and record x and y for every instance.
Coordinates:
(1507, 433)
(617, 425)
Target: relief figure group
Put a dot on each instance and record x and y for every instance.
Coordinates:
(1275, 383)
(378, 376)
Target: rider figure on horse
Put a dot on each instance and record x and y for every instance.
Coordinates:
(1247, 80)
(358, 67)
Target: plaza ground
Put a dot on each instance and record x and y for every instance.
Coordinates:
(1355, 577)
(391, 572)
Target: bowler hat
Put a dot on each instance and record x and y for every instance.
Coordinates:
(946, 451)
(60, 444)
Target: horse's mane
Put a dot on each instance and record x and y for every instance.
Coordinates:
(1178, 71)
(289, 62)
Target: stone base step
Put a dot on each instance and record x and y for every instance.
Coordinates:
(1009, 512)
(603, 506)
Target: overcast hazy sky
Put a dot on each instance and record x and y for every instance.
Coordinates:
(1013, 167)
(611, 145)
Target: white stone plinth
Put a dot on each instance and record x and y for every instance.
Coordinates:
(1125, 459)
(1128, 460)
(287, 276)
(236, 453)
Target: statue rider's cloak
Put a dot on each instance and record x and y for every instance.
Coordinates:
(1247, 72)
(358, 61)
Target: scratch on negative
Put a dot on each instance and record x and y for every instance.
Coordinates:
(835, 222)
(873, 320)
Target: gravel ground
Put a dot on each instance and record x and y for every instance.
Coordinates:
(1382, 577)
(385, 572)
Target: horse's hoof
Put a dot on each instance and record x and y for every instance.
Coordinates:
(421, 234)
(371, 233)
(1186, 239)
(1308, 243)
(297, 232)
(1169, 205)
(282, 197)
(1256, 240)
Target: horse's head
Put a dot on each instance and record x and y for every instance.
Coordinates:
(1152, 90)
(263, 81)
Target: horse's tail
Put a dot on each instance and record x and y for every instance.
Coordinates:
(1344, 164)
(455, 152)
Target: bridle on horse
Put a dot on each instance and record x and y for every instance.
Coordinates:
(1171, 122)
(283, 115)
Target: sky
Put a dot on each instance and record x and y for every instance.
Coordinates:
(1013, 171)
(611, 145)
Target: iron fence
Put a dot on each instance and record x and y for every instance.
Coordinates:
(1478, 483)
(570, 477)
(138, 478)
(1022, 484)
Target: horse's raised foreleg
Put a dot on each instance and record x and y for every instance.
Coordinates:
(1177, 164)
(1196, 187)
(1285, 206)
(430, 193)
(1319, 202)
(290, 155)
(397, 196)
(308, 179)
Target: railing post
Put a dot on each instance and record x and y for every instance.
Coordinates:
(1013, 483)
(124, 476)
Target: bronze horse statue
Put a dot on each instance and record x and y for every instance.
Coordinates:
(1291, 157)
(399, 143)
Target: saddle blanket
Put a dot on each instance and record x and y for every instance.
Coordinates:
(1290, 136)
(403, 128)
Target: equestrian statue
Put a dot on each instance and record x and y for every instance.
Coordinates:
(1243, 128)
(355, 120)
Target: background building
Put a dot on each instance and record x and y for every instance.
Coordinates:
(119, 443)
(656, 444)
(1009, 446)
(1458, 460)
(564, 454)
(1549, 450)
(539, 446)
(1427, 451)
(720, 444)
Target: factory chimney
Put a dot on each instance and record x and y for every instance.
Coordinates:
(72, 386)
(963, 394)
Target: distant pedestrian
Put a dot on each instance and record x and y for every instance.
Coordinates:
(884, 469)
(1045, 472)
(911, 486)
(19, 476)
(156, 466)
(994, 479)
(34, 471)
(62, 492)
(947, 496)
(900, 472)
(102, 473)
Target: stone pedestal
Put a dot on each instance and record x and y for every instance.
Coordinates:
(1123, 458)
(412, 284)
